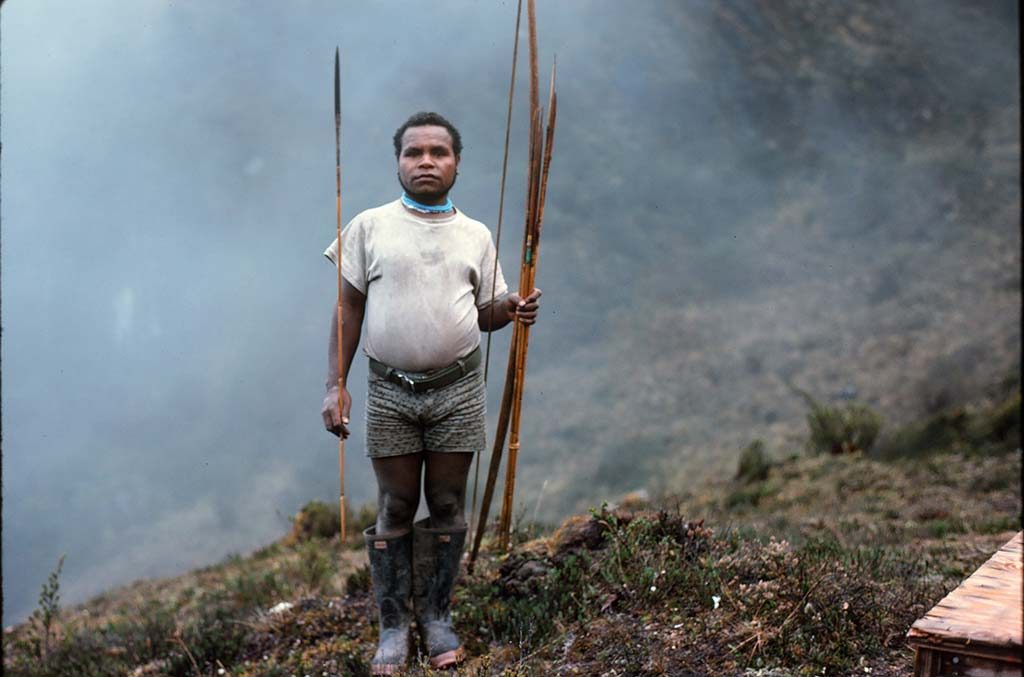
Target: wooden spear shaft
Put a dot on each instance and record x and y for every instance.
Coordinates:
(337, 173)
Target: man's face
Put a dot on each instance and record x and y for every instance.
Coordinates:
(427, 163)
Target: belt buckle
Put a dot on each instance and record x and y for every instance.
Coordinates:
(409, 383)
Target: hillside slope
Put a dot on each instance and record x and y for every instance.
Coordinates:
(811, 564)
(851, 226)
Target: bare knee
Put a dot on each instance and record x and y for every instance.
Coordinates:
(394, 512)
(446, 508)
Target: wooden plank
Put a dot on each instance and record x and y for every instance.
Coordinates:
(981, 619)
(926, 662)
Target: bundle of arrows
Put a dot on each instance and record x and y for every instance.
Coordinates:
(541, 140)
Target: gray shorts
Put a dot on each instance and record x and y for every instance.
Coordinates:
(448, 419)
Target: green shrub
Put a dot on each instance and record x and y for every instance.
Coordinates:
(941, 432)
(956, 429)
(146, 636)
(1001, 424)
(748, 496)
(217, 634)
(753, 465)
(840, 430)
(46, 614)
(998, 524)
(314, 566)
(944, 527)
(316, 519)
(249, 589)
(87, 652)
(359, 581)
(359, 521)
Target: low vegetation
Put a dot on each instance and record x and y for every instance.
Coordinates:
(807, 564)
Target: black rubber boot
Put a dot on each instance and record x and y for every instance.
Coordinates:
(391, 571)
(436, 556)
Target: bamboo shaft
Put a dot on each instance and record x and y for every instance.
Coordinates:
(527, 276)
(519, 330)
(531, 21)
(538, 192)
(496, 450)
(341, 322)
(501, 190)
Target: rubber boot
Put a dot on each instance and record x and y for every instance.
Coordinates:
(391, 571)
(436, 556)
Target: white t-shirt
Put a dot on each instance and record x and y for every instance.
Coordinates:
(424, 279)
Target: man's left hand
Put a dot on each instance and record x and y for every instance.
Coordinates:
(524, 310)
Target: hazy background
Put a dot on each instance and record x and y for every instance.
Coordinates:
(744, 196)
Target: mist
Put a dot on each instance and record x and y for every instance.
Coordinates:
(725, 216)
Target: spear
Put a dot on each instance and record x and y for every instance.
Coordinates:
(337, 174)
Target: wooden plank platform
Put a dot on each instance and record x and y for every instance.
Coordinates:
(977, 628)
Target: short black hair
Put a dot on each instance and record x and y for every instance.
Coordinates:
(422, 119)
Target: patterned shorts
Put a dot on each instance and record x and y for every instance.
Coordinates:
(448, 419)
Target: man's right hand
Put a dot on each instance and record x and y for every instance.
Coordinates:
(335, 417)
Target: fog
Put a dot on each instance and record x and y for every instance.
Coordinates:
(168, 189)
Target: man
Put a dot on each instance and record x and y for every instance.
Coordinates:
(420, 273)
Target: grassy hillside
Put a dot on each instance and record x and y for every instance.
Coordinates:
(810, 563)
(854, 231)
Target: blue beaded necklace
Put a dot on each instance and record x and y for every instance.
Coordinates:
(426, 209)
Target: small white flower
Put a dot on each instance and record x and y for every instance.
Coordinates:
(221, 671)
(716, 599)
(280, 607)
(654, 588)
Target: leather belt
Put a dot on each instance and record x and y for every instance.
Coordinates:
(421, 382)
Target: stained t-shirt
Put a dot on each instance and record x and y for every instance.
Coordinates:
(424, 279)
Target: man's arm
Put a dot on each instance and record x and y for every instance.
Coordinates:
(508, 308)
(353, 303)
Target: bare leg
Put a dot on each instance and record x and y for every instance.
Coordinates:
(445, 488)
(398, 491)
